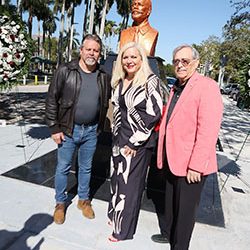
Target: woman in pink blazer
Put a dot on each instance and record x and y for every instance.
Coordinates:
(187, 143)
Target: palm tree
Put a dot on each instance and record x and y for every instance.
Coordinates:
(19, 9)
(70, 28)
(41, 14)
(85, 19)
(75, 41)
(124, 9)
(91, 16)
(95, 20)
(30, 6)
(70, 7)
(60, 6)
(109, 31)
(3, 2)
(107, 5)
(49, 27)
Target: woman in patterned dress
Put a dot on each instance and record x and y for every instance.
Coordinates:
(137, 106)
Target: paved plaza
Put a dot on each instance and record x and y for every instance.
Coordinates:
(27, 162)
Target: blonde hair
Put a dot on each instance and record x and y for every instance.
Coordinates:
(140, 76)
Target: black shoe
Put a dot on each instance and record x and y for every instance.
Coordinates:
(159, 238)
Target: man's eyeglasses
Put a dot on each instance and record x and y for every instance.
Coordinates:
(184, 61)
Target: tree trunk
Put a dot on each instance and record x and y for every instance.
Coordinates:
(59, 48)
(85, 19)
(91, 16)
(49, 45)
(127, 18)
(43, 42)
(68, 24)
(30, 19)
(104, 12)
(71, 32)
(38, 37)
(19, 9)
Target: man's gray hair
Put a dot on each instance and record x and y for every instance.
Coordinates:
(93, 37)
(195, 53)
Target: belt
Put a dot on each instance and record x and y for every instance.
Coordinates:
(87, 124)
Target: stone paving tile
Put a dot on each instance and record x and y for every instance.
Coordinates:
(222, 222)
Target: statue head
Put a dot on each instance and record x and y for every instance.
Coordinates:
(141, 31)
(141, 10)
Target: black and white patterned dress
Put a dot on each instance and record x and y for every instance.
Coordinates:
(136, 112)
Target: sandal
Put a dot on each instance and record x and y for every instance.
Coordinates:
(112, 238)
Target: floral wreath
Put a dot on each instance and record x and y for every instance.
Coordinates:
(15, 50)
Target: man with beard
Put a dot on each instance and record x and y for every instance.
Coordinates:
(141, 32)
(76, 108)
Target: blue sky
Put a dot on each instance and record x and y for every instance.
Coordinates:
(178, 22)
(183, 21)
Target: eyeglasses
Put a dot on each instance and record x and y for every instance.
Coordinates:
(184, 61)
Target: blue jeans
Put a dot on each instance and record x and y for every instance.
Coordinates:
(84, 139)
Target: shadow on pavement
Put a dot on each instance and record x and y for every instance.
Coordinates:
(41, 132)
(234, 132)
(210, 209)
(32, 227)
(28, 107)
(42, 170)
(228, 166)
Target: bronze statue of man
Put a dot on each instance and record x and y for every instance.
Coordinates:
(141, 31)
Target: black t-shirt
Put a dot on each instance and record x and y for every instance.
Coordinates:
(177, 92)
(88, 105)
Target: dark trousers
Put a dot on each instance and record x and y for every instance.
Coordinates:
(156, 185)
(127, 186)
(181, 202)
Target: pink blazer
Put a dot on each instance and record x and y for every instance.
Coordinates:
(193, 128)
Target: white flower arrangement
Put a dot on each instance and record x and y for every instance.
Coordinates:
(13, 50)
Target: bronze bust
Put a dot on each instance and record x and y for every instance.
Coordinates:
(141, 31)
